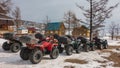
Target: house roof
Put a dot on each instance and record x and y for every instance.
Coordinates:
(4, 17)
(53, 26)
(2, 7)
(22, 28)
(84, 27)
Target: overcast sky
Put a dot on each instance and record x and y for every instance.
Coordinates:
(37, 10)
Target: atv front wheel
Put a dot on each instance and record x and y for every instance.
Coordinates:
(15, 47)
(69, 50)
(79, 49)
(54, 53)
(24, 53)
(36, 56)
(6, 46)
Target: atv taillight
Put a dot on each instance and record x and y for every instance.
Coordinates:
(31, 46)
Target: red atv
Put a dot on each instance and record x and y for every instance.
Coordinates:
(35, 51)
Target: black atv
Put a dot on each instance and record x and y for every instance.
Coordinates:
(68, 44)
(101, 43)
(86, 44)
(12, 42)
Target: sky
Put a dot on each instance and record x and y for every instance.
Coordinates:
(37, 10)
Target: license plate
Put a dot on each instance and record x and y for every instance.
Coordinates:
(62, 45)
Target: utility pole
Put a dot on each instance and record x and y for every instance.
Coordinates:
(47, 20)
(91, 20)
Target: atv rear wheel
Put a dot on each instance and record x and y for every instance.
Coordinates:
(86, 48)
(106, 46)
(15, 47)
(5, 46)
(54, 53)
(36, 56)
(100, 46)
(24, 53)
(79, 49)
(93, 48)
(61, 49)
(69, 50)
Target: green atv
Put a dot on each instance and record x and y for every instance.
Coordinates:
(69, 45)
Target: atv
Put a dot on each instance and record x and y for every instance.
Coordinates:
(68, 44)
(35, 51)
(100, 43)
(13, 44)
(87, 45)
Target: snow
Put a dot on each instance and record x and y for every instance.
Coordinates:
(8, 60)
(116, 51)
(113, 42)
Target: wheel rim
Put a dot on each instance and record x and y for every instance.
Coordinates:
(106, 46)
(55, 54)
(37, 57)
(16, 47)
(71, 50)
(101, 46)
(79, 49)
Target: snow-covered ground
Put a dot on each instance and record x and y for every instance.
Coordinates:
(112, 42)
(13, 60)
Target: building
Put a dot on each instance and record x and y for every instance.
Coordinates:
(81, 31)
(22, 30)
(6, 24)
(55, 28)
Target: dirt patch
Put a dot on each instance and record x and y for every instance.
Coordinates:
(113, 47)
(103, 63)
(100, 61)
(76, 61)
(115, 57)
(69, 66)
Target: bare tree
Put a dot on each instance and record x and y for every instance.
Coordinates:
(16, 13)
(100, 12)
(75, 22)
(117, 31)
(111, 31)
(17, 16)
(71, 20)
(6, 4)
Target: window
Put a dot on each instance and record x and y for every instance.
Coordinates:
(51, 31)
(56, 32)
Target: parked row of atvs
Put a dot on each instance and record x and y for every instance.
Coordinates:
(33, 48)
